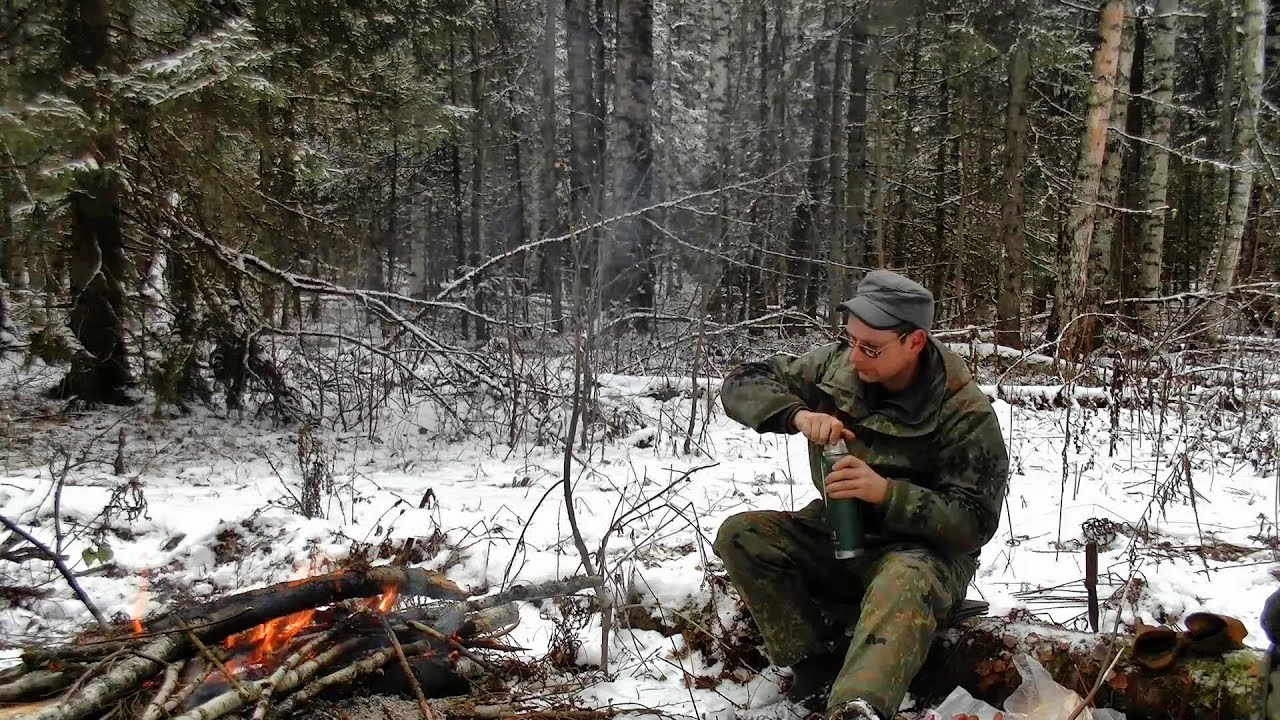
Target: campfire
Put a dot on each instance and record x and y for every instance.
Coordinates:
(266, 653)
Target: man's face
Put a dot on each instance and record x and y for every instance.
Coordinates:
(881, 354)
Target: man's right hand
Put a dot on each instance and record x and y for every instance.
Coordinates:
(820, 428)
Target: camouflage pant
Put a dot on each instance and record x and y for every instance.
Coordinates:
(885, 606)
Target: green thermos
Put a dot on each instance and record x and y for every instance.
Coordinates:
(843, 516)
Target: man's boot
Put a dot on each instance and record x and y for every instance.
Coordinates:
(855, 710)
(811, 680)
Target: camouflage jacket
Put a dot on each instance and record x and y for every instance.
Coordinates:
(939, 444)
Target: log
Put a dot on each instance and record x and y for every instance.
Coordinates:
(245, 610)
(977, 655)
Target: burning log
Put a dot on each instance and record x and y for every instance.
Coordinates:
(341, 623)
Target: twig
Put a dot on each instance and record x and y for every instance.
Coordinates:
(408, 671)
(1102, 677)
(62, 568)
(155, 709)
(452, 643)
(213, 659)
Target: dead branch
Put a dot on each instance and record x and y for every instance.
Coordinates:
(61, 565)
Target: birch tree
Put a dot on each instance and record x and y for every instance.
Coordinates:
(1156, 161)
(1077, 327)
(1243, 156)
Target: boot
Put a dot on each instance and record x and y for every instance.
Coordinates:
(811, 679)
(854, 710)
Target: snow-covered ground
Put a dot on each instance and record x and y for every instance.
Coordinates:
(205, 509)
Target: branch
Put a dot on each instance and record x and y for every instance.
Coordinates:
(59, 563)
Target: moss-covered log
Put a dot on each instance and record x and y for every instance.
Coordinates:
(978, 655)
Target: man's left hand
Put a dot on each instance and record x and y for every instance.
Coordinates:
(853, 478)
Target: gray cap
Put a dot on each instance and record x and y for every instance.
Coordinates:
(887, 300)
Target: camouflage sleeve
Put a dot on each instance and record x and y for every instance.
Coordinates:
(763, 395)
(961, 512)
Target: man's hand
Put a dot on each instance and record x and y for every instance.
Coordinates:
(821, 428)
(853, 478)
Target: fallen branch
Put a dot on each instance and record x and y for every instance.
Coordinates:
(63, 570)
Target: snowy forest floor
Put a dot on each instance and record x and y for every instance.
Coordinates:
(207, 505)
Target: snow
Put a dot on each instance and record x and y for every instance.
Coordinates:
(218, 516)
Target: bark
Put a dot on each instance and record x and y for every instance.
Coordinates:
(1243, 155)
(1013, 264)
(977, 655)
(1156, 164)
(1075, 324)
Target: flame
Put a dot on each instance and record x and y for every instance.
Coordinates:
(269, 637)
(140, 604)
(385, 601)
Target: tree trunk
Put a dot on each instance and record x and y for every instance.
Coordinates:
(1013, 264)
(98, 264)
(549, 215)
(582, 108)
(838, 236)
(1244, 156)
(1156, 165)
(478, 141)
(1108, 215)
(804, 231)
(856, 169)
(1074, 322)
(885, 80)
(455, 177)
(630, 260)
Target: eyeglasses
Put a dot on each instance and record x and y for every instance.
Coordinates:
(869, 351)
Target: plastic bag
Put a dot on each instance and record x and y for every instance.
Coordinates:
(961, 703)
(1040, 698)
(1037, 698)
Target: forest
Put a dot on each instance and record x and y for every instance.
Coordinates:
(187, 181)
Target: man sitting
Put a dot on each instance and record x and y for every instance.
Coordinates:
(928, 462)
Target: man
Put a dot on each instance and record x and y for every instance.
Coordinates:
(929, 464)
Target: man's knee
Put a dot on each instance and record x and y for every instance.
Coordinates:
(744, 534)
(915, 581)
